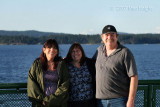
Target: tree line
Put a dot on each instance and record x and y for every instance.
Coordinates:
(83, 39)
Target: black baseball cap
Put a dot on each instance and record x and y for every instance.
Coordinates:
(109, 28)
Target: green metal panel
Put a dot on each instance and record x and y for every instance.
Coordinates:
(14, 100)
(156, 96)
(14, 95)
(141, 96)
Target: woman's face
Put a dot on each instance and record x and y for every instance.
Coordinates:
(76, 55)
(50, 53)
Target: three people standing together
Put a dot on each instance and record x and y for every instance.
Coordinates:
(77, 81)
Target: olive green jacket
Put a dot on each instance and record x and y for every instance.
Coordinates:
(35, 86)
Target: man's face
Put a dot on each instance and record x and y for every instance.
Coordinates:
(110, 38)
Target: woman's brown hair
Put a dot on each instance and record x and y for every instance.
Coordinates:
(48, 44)
(69, 57)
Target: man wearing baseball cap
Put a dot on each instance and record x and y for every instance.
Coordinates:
(116, 72)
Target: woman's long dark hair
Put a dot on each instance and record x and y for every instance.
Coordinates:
(48, 44)
(69, 57)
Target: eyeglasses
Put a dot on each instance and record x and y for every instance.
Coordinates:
(77, 51)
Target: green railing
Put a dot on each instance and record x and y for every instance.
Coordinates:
(15, 94)
(148, 94)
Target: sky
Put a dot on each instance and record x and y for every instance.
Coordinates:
(80, 16)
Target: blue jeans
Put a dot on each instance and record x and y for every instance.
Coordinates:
(116, 102)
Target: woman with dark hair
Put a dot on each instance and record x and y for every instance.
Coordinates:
(48, 78)
(82, 78)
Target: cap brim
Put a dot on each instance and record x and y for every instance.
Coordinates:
(109, 32)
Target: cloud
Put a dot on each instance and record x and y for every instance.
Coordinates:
(89, 31)
(158, 29)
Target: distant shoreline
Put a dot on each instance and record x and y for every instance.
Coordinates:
(82, 44)
(34, 37)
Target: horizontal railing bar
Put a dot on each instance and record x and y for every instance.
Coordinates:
(149, 82)
(12, 85)
(13, 91)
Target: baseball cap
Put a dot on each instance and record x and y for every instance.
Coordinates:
(109, 28)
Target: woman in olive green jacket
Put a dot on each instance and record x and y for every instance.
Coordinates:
(37, 92)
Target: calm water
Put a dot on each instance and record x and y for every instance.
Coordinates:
(16, 60)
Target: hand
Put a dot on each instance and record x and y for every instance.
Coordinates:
(130, 103)
(43, 103)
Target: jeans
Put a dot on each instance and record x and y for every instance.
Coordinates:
(116, 102)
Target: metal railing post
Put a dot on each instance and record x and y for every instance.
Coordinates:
(150, 91)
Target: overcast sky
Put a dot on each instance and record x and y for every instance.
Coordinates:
(80, 16)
